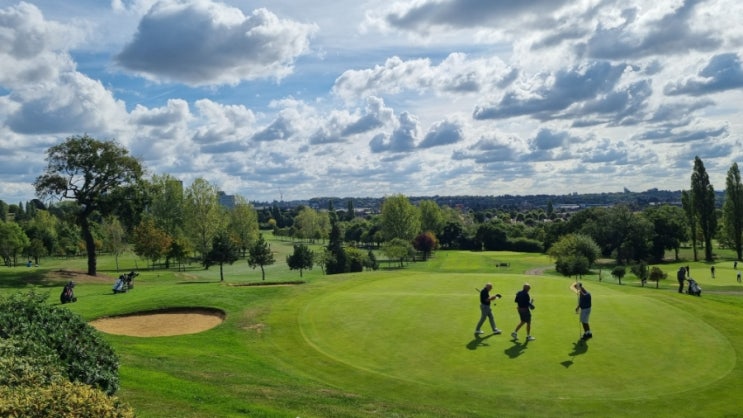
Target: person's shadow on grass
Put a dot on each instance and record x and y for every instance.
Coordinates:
(516, 349)
(479, 341)
(580, 347)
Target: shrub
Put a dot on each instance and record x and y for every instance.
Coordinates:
(61, 399)
(86, 357)
(25, 362)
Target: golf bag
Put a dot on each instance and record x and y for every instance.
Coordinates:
(694, 288)
(68, 295)
(125, 282)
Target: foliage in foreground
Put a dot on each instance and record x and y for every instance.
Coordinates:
(84, 355)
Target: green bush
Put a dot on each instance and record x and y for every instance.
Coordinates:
(86, 357)
(25, 362)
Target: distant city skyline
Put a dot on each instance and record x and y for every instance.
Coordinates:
(289, 100)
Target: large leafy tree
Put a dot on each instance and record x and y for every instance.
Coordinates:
(400, 219)
(150, 241)
(732, 209)
(703, 200)
(574, 254)
(432, 218)
(243, 224)
(670, 229)
(92, 173)
(205, 217)
(12, 241)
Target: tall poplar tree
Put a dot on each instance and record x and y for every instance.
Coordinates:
(732, 209)
(703, 199)
(691, 217)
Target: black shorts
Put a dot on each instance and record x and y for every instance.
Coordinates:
(525, 315)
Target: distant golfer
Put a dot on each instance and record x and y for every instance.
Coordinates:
(681, 276)
(584, 307)
(524, 305)
(712, 270)
(485, 311)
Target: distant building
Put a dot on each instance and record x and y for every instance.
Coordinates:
(226, 200)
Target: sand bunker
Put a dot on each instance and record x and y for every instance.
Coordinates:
(161, 323)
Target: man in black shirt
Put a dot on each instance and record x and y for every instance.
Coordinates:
(524, 306)
(485, 311)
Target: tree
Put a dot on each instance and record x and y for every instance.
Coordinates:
(243, 224)
(656, 275)
(114, 241)
(574, 254)
(260, 254)
(350, 210)
(704, 205)
(223, 251)
(640, 270)
(669, 229)
(89, 172)
(400, 219)
(432, 218)
(619, 272)
(335, 256)
(302, 258)
(687, 203)
(205, 216)
(425, 242)
(167, 205)
(12, 241)
(307, 224)
(150, 241)
(492, 235)
(732, 209)
(396, 249)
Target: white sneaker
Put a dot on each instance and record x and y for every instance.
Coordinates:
(497, 331)
(479, 332)
(530, 338)
(515, 336)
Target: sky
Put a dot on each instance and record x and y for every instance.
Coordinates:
(294, 99)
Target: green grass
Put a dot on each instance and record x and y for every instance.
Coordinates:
(400, 343)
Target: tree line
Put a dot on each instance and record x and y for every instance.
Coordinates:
(93, 197)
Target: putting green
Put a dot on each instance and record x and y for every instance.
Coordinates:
(418, 328)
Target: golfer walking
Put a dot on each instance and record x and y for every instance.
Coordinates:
(485, 311)
(524, 305)
(584, 307)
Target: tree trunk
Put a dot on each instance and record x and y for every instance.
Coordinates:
(221, 275)
(89, 243)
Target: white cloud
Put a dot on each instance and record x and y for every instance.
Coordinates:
(207, 43)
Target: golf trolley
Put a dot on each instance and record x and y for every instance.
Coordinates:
(68, 295)
(125, 282)
(693, 288)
